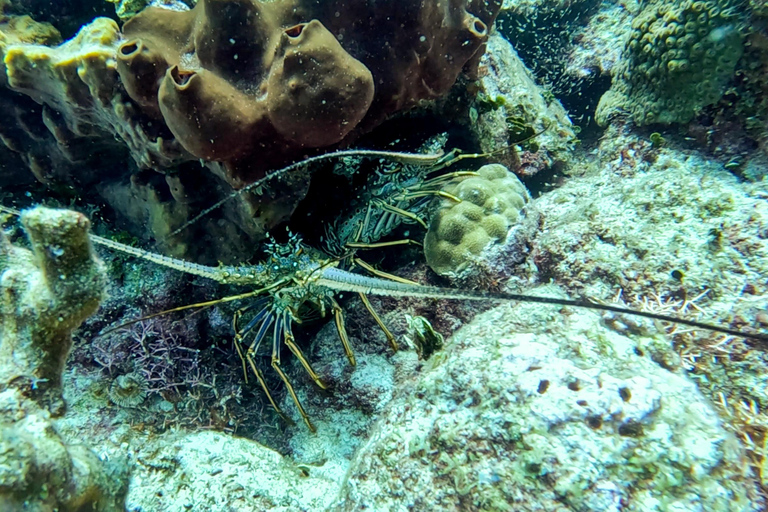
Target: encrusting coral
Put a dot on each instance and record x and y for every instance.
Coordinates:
(677, 59)
(46, 293)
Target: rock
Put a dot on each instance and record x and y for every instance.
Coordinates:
(528, 408)
(46, 293)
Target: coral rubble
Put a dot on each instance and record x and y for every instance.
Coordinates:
(46, 293)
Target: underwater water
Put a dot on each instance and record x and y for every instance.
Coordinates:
(342, 255)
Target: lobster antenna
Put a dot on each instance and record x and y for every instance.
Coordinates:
(342, 280)
(425, 159)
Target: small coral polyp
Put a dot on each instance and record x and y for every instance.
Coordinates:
(239, 81)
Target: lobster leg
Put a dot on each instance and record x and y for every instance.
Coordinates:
(263, 383)
(377, 318)
(294, 348)
(338, 317)
(278, 335)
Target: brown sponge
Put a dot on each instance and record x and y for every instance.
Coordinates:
(317, 91)
(251, 83)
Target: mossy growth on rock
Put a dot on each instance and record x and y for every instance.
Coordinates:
(677, 59)
(16, 29)
(45, 294)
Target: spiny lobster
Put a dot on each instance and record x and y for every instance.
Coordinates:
(294, 274)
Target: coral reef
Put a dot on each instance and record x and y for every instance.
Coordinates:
(46, 293)
(643, 376)
(688, 215)
(594, 52)
(525, 406)
(676, 60)
(489, 205)
(675, 232)
(565, 415)
(279, 89)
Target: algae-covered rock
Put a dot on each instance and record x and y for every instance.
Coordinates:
(217, 472)
(530, 410)
(514, 107)
(677, 59)
(41, 472)
(127, 9)
(23, 29)
(46, 293)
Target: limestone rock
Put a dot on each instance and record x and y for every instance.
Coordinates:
(564, 415)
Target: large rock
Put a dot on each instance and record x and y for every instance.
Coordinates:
(530, 409)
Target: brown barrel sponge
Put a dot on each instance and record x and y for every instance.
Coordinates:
(207, 114)
(141, 69)
(317, 91)
(284, 79)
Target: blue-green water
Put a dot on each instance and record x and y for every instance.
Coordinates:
(289, 210)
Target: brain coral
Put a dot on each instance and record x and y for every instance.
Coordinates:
(250, 83)
(490, 205)
(677, 59)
